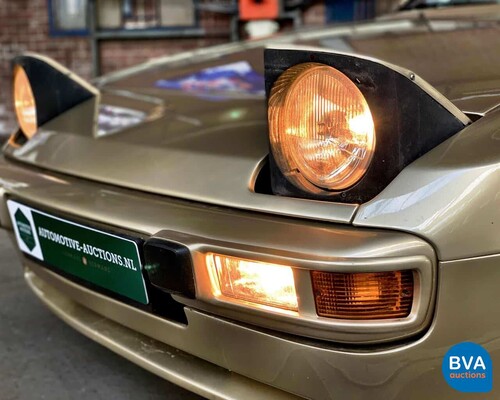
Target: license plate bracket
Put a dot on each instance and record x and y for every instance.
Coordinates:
(104, 259)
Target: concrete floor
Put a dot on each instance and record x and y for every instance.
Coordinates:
(42, 358)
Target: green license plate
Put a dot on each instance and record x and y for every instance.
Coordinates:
(109, 261)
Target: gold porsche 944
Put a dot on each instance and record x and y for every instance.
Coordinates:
(315, 215)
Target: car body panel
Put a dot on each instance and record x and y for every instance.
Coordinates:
(188, 170)
(112, 207)
(450, 196)
(310, 369)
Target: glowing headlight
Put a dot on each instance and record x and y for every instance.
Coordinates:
(321, 128)
(24, 103)
(253, 281)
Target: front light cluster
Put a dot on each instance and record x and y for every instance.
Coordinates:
(343, 296)
(321, 129)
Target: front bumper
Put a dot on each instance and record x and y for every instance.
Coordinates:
(261, 360)
(184, 370)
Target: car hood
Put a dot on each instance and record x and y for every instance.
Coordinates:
(194, 126)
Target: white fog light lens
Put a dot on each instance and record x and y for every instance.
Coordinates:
(253, 281)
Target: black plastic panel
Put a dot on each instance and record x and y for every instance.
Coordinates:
(169, 267)
(55, 92)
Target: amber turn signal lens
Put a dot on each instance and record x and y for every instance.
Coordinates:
(24, 103)
(253, 281)
(321, 127)
(365, 295)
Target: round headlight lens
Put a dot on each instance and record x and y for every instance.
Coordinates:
(24, 103)
(321, 128)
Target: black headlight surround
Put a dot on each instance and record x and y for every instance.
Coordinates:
(409, 121)
(55, 88)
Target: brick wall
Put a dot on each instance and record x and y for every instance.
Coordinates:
(315, 15)
(119, 54)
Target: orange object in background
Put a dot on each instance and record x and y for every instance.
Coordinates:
(259, 9)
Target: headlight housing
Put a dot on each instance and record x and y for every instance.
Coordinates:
(43, 90)
(321, 128)
(341, 126)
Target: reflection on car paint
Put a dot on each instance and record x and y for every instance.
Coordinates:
(112, 119)
(236, 78)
